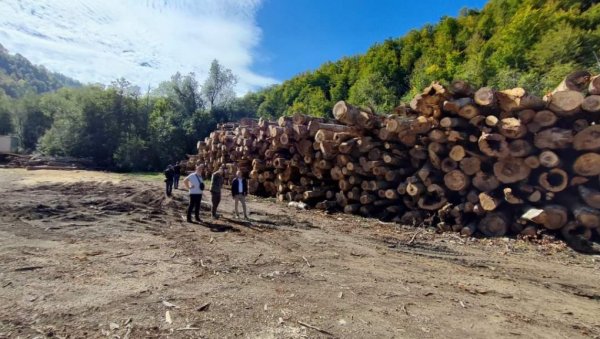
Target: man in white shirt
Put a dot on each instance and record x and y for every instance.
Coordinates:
(195, 185)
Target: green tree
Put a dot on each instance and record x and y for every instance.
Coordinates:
(218, 86)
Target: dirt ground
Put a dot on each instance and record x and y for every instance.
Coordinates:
(97, 255)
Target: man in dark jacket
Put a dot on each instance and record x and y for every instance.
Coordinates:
(176, 175)
(239, 190)
(169, 174)
(216, 183)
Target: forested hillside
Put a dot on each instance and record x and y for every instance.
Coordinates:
(19, 76)
(529, 43)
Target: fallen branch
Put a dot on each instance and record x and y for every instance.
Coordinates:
(414, 237)
(307, 263)
(315, 328)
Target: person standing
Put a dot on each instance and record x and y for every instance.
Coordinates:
(217, 179)
(195, 185)
(169, 174)
(239, 190)
(176, 175)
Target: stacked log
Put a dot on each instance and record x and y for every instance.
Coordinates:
(487, 161)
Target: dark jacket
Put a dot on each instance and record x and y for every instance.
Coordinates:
(216, 182)
(177, 169)
(235, 188)
(169, 173)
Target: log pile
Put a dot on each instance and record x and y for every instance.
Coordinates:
(487, 161)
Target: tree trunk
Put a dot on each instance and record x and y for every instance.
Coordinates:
(551, 217)
(576, 81)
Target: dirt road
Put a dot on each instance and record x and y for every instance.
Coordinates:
(91, 255)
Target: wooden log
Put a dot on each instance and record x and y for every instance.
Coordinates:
(574, 230)
(354, 116)
(555, 180)
(434, 199)
(494, 224)
(510, 197)
(314, 194)
(352, 208)
(491, 120)
(456, 180)
(565, 103)
(587, 165)
(493, 145)
(429, 102)
(549, 159)
(554, 138)
(457, 153)
(470, 165)
(448, 165)
(594, 87)
(454, 106)
(460, 88)
(590, 196)
(511, 170)
(588, 139)
(520, 148)
(486, 96)
(591, 104)
(449, 122)
(552, 217)
(545, 118)
(512, 128)
(323, 135)
(532, 161)
(488, 201)
(516, 99)
(576, 81)
(586, 216)
(469, 230)
(526, 116)
(485, 182)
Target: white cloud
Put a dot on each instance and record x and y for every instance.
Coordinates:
(145, 41)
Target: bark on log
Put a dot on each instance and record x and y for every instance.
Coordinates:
(594, 87)
(586, 216)
(576, 81)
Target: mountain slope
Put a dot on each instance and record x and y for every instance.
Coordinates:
(530, 43)
(19, 76)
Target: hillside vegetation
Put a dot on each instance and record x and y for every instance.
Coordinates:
(19, 76)
(528, 43)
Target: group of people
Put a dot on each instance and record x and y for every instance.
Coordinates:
(194, 183)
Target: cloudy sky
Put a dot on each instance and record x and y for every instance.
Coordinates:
(261, 41)
(145, 41)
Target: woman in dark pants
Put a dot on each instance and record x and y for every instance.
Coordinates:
(195, 185)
